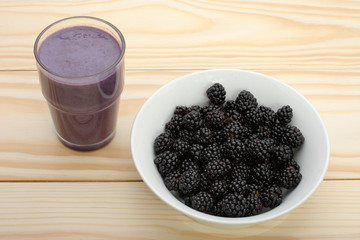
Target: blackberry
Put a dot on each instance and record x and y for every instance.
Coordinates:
(215, 119)
(171, 181)
(202, 201)
(231, 112)
(196, 152)
(271, 196)
(262, 174)
(217, 210)
(192, 120)
(163, 142)
(181, 110)
(238, 185)
(237, 130)
(229, 158)
(288, 177)
(216, 168)
(234, 150)
(230, 105)
(210, 152)
(186, 135)
(188, 164)
(205, 182)
(266, 115)
(234, 205)
(195, 108)
(181, 147)
(259, 150)
(254, 204)
(174, 125)
(241, 170)
(216, 94)
(246, 101)
(293, 164)
(263, 132)
(207, 109)
(189, 181)
(282, 155)
(203, 136)
(277, 131)
(220, 136)
(252, 118)
(166, 162)
(292, 136)
(218, 188)
(284, 114)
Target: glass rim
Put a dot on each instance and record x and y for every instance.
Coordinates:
(122, 52)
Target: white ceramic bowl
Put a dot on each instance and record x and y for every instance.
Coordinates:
(188, 90)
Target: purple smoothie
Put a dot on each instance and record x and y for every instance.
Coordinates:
(82, 75)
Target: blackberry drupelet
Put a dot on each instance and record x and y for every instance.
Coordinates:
(163, 142)
(166, 162)
(189, 181)
(271, 196)
(216, 94)
(202, 201)
(245, 101)
(284, 114)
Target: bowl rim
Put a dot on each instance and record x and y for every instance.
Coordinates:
(226, 220)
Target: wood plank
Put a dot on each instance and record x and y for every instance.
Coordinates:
(130, 211)
(30, 151)
(164, 34)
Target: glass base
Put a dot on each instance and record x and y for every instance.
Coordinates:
(88, 147)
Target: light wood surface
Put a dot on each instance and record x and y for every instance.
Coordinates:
(48, 191)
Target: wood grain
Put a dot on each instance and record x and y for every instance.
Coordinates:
(163, 34)
(48, 191)
(130, 211)
(29, 149)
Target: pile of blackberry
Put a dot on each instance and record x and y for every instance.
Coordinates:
(231, 158)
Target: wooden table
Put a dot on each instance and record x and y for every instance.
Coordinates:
(48, 191)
